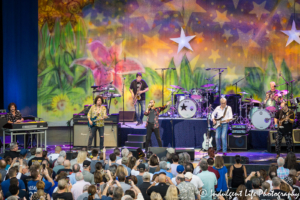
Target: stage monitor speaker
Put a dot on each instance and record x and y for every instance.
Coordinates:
(238, 141)
(231, 160)
(129, 116)
(296, 136)
(272, 138)
(159, 151)
(81, 135)
(190, 151)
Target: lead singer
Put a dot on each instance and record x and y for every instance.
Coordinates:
(152, 124)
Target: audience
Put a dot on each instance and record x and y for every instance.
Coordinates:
(187, 190)
(38, 157)
(59, 164)
(67, 168)
(163, 165)
(237, 173)
(209, 180)
(117, 152)
(125, 153)
(221, 168)
(21, 193)
(81, 157)
(75, 169)
(291, 162)
(87, 176)
(174, 164)
(40, 186)
(77, 188)
(52, 157)
(2, 169)
(145, 185)
(194, 179)
(161, 187)
(241, 193)
(32, 154)
(63, 191)
(281, 171)
(13, 152)
(12, 173)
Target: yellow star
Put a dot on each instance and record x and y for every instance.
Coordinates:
(259, 9)
(245, 41)
(236, 2)
(154, 43)
(199, 37)
(271, 35)
(113, 23)
(214, 55)
(189, 7)
(231, 73)
(227, 34)
(221, 18)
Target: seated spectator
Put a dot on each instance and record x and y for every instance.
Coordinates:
(121, 178)
(2, 169)
(38, 157)
(87, 176)
(8, 162)
(112, 161)
(5, 184)
(281, 171)
(153, 163)
(241, 193)
(36, 177)
(221, 168)
(13, 152)
(21, 193)
(125, 163)
(40, 185)
(32, 154)
(163, 168)
(209, 180)
(95, 159)
(125, 153)
(67, 168)
(187, 190)
(162, 187)
(53, 156)
(75, 169)
(174, 165)
(141, 167)
(77, 188)
(256, 187)
(237, 173)
(59, 164)
(194, 179)
(63, 191)
(118, 153)
(82, 156)
(145, 185)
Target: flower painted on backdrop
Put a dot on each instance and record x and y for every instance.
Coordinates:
(62, 107)
(108, 65)
(155, 92)
(231, 89)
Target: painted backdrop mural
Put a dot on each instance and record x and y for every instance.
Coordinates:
(93, 42)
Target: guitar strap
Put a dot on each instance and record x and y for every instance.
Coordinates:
(225, 112)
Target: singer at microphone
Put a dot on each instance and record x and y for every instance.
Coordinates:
(152, 124)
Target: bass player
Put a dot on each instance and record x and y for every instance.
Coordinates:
(222, 113)
(138, 88)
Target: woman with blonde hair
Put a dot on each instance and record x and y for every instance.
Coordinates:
(40, 194)
(172, 193)
(155, 196)
(221, 168)
(121, 168)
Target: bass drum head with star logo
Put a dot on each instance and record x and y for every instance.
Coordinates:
(187, 108)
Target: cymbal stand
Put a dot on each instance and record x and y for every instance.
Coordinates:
(240, 119)
(246, 119)
(172, 107)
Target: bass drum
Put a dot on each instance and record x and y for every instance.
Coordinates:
(261, 119)
(187, 108)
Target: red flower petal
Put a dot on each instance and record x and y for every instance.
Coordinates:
(85, 62)
(130, 66)
(99, 53)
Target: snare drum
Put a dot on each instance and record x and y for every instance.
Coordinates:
(261, 119)
(196, 91)
(271, 105)
(187, 108)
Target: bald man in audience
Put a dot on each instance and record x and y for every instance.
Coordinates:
(67, 168)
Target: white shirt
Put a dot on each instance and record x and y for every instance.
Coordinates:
(77, 188)
(196, 181)
(219, 112)
(270, 182)
(53, 156)
(135, 173)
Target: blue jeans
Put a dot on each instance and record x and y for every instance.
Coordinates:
(139, 112)
(93, 132)
(222, 132)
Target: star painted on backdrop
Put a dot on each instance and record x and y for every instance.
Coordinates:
(293, 34)
(214, 55)
(259, 9)
(227, 34)
(221, 18)
(113, 23)
(271, 35)
(154, 43)
(190, 6)
(100, 16)
(231, 73)
(199, 37)
(245, 41)
(183, 41)
(235, 3)
(183, 107)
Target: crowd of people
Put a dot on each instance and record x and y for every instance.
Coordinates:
(37, 174)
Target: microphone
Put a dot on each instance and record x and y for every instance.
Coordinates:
(174, 68)
(208, 69)
(275, 86)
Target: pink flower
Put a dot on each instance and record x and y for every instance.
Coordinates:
(107, 66)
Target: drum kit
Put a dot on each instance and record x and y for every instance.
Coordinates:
(190, 104)
(261, 114)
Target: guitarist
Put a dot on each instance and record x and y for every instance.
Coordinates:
(284, 120)
(223, 113)
(139, 87)
(98, 111)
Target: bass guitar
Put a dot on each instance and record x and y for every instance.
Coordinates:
(282, 120)
(207, 142)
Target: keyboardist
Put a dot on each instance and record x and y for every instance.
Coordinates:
(13, 115)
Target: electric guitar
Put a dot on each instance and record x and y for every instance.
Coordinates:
(94, 120)
(282, 120)
(219, 122)
(207, 142)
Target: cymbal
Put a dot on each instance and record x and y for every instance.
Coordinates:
(243, 92)
(208, 85)
(186, 92)
(172, 89)
(208, 89)
(196, 96)
(176, 86)
(252, 100)
(284, 92)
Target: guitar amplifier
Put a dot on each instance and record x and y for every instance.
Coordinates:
(239, 126)
(238, 141)
(239, 131)
(112, 119)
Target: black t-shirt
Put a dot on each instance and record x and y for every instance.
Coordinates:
(65, 196)
(68, 171)
(151, 116)
(12, 154)
(161, 188)
(144, 187)
(281, 193)
(21, 194)
(39, 159)
(142, 84)
(287, 127)
(296, 167)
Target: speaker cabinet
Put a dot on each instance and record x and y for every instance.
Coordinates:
(272, 138)
(296, 136)
(129, 116)
(159, 151)
(190, 151)
(81, 135)
(238, 141)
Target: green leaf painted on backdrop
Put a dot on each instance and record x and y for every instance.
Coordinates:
(43, 91)
(270, 73)
(81, 35)
(68, 39)
(56, 36)
(296, 89)
(199, 76)
(79, 73)
(286, 73)
(89, 82)
(45, 35)
(48, 79)
(255, 78)
(152, 77)
(129, 78)
(171, 75)
(185, 74)
(46, 71)
(76, 95)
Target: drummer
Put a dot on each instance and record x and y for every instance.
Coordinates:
(271, 93)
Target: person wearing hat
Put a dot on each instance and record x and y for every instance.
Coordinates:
(179, 170)
(187, 190)
(23, 155)
(163, 165)
(87, 175)
(38, 157)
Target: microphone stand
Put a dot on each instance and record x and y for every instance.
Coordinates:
(287, 84)
(220, 72)
(123, 102)
(70, 141)
(237, 83)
